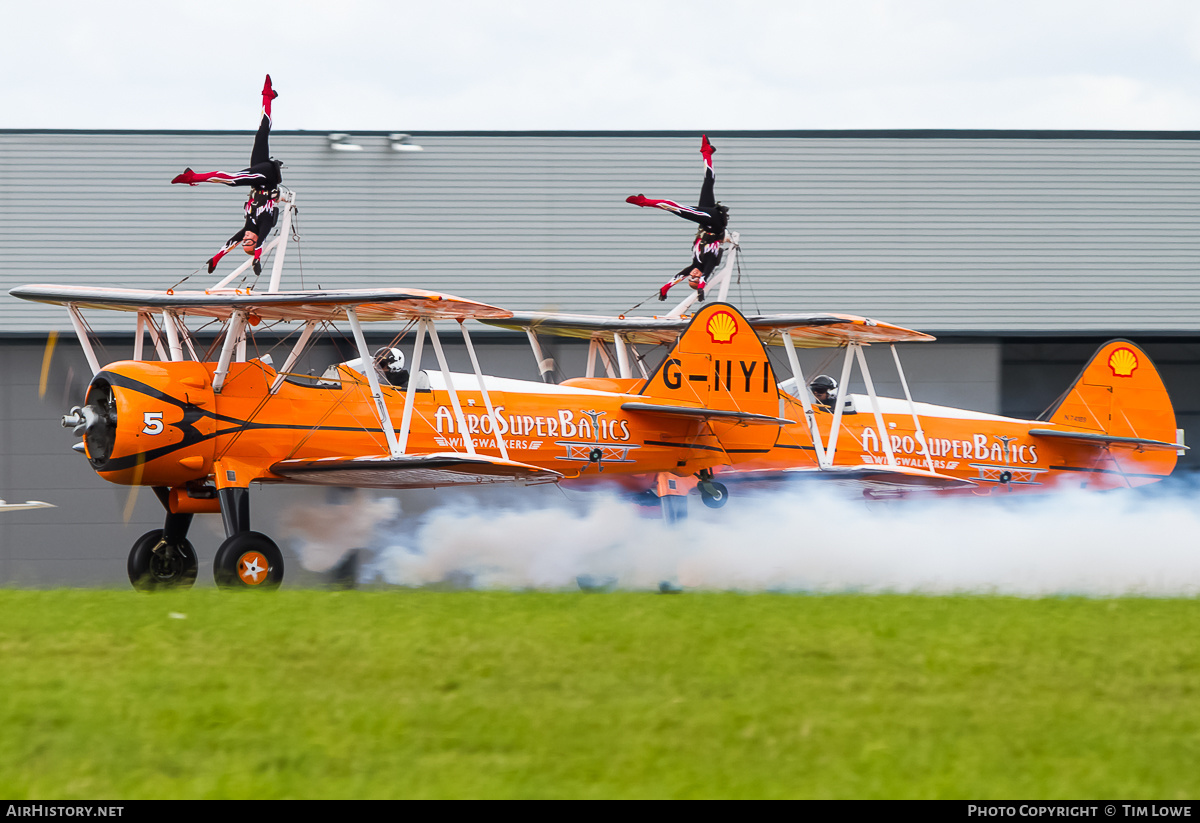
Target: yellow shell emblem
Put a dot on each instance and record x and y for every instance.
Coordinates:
(1123, 362)
(722, 327)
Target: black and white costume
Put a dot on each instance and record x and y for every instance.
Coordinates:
(263, 175)
(713, 219)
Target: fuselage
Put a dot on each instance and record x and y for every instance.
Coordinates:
(166, 426)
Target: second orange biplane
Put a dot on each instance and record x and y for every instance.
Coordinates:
(200, 431)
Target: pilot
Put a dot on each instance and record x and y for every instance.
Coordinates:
(263, 176)
(389, 362)
(712, 217)
(824, 390)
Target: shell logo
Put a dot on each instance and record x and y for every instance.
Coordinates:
(722, 327)
(1123, 362)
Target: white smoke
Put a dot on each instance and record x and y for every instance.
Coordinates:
(322, 533)
(805, 540)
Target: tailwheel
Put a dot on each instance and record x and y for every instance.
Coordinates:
(156, 564)
(712, 494)
(248, 560)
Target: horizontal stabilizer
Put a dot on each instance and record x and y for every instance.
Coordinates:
(416, 471)
(1107, 439)
(706, 414)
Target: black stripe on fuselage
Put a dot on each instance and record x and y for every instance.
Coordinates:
(193, 414)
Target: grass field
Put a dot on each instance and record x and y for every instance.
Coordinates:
(417, 693)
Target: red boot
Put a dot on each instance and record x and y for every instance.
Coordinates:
(706, 148)
(268, 95)
(215, 259)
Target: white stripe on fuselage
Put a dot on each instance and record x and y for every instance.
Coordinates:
(893, 405)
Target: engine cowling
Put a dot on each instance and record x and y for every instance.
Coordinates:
(148, 424)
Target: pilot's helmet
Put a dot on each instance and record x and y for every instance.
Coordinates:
(390, 359)
(823, 383)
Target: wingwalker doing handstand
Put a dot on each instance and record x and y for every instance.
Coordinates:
(262, 207)
(712, 217)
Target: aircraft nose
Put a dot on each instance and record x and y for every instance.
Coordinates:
(81, 420)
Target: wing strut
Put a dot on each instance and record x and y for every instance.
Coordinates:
(912, 407)
(233, 333)
(487, 398)
(155, 336)
(85, 341)
(385, 419)
(140, 336)
(840, 405)
(885, 439)
(468, 441)
(596, 345)
(809, 414)
(172, 331)
(545, 366)
(410, 394)
(622, 355)
(297, 350)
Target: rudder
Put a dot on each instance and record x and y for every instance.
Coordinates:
(718, 362)
(1119, 392)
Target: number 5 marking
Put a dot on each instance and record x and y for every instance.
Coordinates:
(154, 423)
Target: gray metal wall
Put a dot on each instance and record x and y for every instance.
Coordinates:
(982, 233)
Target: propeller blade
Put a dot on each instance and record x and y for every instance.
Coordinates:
(131, 500)
(47, 357)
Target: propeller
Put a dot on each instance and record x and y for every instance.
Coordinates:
(131, 499)
(56, 371)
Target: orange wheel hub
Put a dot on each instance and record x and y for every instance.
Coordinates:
(252, 568)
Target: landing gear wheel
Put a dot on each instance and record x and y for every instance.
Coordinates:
(156, 566)
(249, 560)
(713, 495)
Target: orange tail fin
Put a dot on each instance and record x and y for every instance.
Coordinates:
(1118, 393)
(720, 363)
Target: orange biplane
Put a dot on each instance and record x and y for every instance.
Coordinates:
(200, 431)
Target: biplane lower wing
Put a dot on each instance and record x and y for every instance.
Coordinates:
(879, 478)
(418, 471)
(691, 413)
(1096, 439)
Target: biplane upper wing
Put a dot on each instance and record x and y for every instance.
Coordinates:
(415, 471)
(818, 330)
(814, 331)
(369, 304)
(636, 330)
